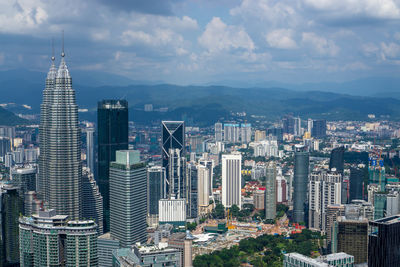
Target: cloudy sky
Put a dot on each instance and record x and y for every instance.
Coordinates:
(205, 41)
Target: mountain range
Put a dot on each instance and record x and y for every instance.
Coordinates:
(207, 104)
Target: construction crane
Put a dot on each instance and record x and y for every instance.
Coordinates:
(229, 220)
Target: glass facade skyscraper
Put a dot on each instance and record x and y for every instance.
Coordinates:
(337, 159)
(270, 193)
(60, 166)
(384, 242)
(128, 202)
(319, 129)
(112, 135)
(10, 209)
(155, 188)
(301, 168)
(173, 142)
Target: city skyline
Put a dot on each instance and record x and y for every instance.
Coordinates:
(248, 173)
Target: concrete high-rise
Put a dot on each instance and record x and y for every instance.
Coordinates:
(231, 132)
(218, 132)
(324, 189)
(231, 180)
(47, 239)
(60, 166)
(112, 135)
(203, 185)
(309, 125)
(173, 141)
(245, 133)
(128, 201)
(90, 149)
(210, 167)
(301, 168)
(270, 192)
(92, 204)
(352, 237)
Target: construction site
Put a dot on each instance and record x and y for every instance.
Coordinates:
(215, 235)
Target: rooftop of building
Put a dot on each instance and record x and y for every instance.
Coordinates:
(387, 220)
(306, 259)
(337, 256)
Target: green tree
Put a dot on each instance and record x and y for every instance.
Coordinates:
(219, 211)
(191, 226)
(234, 210)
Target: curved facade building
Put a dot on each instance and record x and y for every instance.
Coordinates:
(300, 179)
(60, 167)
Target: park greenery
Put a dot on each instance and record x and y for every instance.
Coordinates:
(265, 250)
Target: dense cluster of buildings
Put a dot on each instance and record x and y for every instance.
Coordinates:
(114, 194)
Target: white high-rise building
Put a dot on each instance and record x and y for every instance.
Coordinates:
(309, 125)
(324, 189)
(231, 133)
(210, 166)
(297, 126)
(231, 180)
(203, 185)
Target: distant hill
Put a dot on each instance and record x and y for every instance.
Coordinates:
(205, 104)
(10, 119)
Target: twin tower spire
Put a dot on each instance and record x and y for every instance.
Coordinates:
(60, 167)
(62, 71)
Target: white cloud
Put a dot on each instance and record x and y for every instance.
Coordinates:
(100, 35)
(391, 50)
(22, 16)
(218, 36)
(381, 9)
(369, 49)
(320, 44)
(281, 38)
(276, 12)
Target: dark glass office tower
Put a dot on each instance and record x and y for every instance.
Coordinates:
(192, 191)
(356, 183)
(173, 141)
(352, 238)
(319, 129)
(112, 130)
(155, 188)
(384, 242)
(337, 159)
(288, 124)
(301, 168)
(10, 209)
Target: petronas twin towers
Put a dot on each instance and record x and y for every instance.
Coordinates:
(60, 167)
